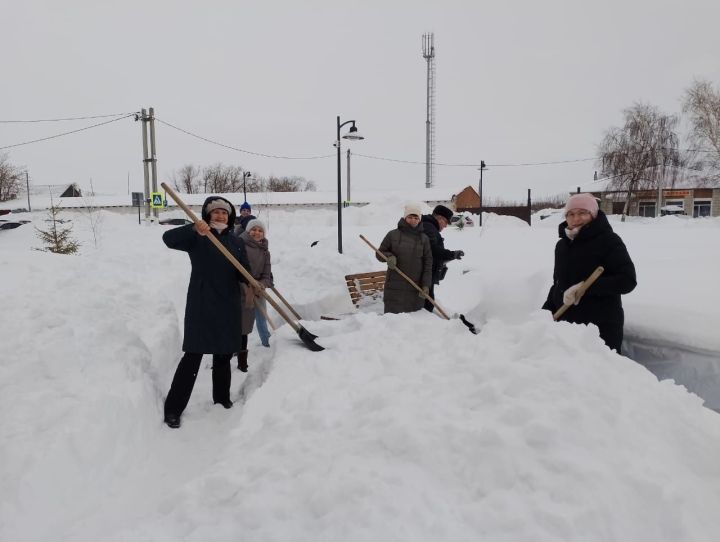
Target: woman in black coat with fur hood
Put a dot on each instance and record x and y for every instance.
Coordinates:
(213, 307)
(586, 241)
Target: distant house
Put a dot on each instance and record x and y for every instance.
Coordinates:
(469, 200)
(689, 197)
(72, 191)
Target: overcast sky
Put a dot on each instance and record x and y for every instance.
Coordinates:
(517, 82)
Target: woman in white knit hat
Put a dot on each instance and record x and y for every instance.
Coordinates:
(407, 249)
(258, 252)
(587, 241)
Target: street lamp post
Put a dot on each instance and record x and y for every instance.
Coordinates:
(246, 174)
(482, 168)
(352, 135)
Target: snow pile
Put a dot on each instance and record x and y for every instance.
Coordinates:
(406, 427)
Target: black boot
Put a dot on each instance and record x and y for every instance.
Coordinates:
(173, 420)
(242, 360)
(226, 404)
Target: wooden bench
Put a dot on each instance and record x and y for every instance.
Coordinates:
(363, 285)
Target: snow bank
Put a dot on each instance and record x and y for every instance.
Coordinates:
(405, 427)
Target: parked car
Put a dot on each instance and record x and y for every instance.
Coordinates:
(175, 221)
(12, 224)
(455, 220)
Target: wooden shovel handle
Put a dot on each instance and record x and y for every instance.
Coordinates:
(411, 281)
(583, 288)
(288, 305)
(244, 272)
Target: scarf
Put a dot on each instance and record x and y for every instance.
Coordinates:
(218, 226)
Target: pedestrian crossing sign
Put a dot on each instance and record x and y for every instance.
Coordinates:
(156, 200)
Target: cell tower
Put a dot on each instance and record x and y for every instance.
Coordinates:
(428, 50)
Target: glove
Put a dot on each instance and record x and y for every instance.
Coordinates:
(425, 292)
(458, 254)
(572, 295)
(392, 261)
(257, 290)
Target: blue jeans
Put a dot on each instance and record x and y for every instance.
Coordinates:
(262, 328)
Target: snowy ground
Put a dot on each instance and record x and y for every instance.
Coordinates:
(405, 428)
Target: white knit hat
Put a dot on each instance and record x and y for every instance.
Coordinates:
(255, 223)
(412, 209)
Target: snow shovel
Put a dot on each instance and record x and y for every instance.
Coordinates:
(306, 337)
(469, 325)
(288, 305)
(585, 285)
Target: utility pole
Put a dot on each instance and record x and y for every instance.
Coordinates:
(348, 176)
(149, 158)
(480, 211)
(27, 184)
(153, 157)
(146, 159)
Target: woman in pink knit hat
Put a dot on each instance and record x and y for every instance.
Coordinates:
(586, 241)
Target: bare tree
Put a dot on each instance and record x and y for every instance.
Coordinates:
(702, 104)
(95, 218)
(286, 184)
(220, 178)
(187, 179)
(10, 178)
(643, 153)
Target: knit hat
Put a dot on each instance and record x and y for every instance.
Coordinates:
(444, 212)
(582, 201)
(217, 204)
(255, 223)
(245, 205)
(412, 209)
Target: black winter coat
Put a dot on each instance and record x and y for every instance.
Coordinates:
(213, 307)
(440, 254)
(595, 244)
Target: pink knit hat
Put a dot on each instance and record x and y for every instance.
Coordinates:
(582, 201)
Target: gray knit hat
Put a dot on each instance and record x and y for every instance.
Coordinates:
(255, 223)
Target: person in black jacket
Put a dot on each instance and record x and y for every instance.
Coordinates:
(432, 226)
(586, 241)
(213, 307)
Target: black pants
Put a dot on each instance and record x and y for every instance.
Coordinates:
(184, 380)
(429, 306)
(612, 334)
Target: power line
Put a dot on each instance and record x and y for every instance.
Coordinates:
(477, 165)
(66, 133)
(67, 118)
(242, 150)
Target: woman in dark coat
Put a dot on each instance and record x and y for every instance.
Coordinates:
(213, 307)
(258, 253)
(408, 249)
(587, 241)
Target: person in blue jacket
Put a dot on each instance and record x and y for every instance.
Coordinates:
(213, 308)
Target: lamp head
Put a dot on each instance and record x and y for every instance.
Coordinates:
(353, 134)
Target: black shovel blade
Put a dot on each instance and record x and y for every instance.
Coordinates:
(469, 325)
(308, 339)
